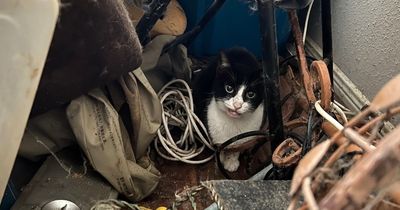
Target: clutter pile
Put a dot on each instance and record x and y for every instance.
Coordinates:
(124, 97)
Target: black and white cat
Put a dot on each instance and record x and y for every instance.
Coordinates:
(229, 97)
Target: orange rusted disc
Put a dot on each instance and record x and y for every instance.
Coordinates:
(322, 82)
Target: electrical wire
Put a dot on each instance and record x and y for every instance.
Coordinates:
(178, 114)
(306, 22)
(342, 106)
(231, 141)
(241, 136)
(296, 137)
(328, 117)
(339, 110)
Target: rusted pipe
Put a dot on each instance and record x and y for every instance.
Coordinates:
(298, 36)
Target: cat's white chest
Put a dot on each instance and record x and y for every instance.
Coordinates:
(222, 127)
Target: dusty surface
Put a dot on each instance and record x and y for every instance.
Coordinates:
(176, 176)
(232, 194)
(52, 182)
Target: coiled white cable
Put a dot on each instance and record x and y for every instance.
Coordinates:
(178, 113)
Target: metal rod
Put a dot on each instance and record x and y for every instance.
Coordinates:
(189, 36)
(298, 38)
(270, 64)
(327, 37)
(148, 20)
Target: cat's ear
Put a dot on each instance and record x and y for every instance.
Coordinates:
(260, 79)
(223, 62)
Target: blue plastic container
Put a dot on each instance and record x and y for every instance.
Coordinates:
(234, 25)
(9, 197)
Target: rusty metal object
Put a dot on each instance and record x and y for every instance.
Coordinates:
(244, 146)
(329, 129)
(297, 92)
(287, 153)
(286, 91)
(322, 83)
(295, 123)
(301, 55)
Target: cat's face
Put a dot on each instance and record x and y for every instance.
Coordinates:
(238, 88)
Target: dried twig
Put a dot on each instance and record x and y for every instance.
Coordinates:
(376, 169)
(358, 139)
(308, 194)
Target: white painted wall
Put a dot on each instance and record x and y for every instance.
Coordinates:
(366, 40)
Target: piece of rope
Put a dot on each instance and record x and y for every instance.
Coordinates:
(178, 114)
(187, 194)
(59, 161)
(63, 166)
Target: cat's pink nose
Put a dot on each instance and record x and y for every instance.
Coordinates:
(237, 105)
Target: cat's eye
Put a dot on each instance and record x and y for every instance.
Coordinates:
(228, 89)
(250, 94)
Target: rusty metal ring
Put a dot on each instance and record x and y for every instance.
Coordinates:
(287, 153)
(322, 82)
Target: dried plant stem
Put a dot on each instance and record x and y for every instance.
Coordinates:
(378, 119)
(358, 139)
(375, 170)
(293, 202)
(308, 194)
(342, 148)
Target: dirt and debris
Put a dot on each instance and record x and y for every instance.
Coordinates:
(178, 176)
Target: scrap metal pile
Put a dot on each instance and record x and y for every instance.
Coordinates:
(358, 165)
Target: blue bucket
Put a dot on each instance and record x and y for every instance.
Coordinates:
(235, 24)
